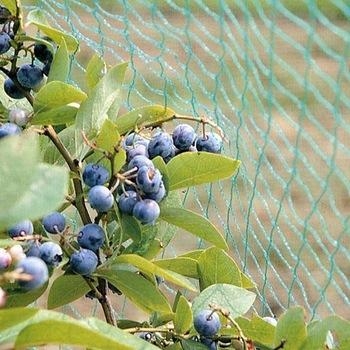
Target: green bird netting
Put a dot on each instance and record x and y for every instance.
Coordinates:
(274, 75)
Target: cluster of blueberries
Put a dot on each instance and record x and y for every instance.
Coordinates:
(207, 324)
(29, 75)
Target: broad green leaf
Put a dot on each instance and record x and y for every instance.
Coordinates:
(192, 345)
(27, 182)
(60, 66)
(144, 116)
(56, 94)
(291, 328)
(194, 223)
(183, 266)
(216, 266)
(183, 316)
(131, 227)
(65, 289)
(139, 290)
(69, 331)
(333, 329)
(21, 298)
(93, 110)
(234, 299)
(55, 116)
(108, 137)
(119, 160)
(95, 70)
(14, 316)
(38, 18)
(148, 267)
(195, 168)
(10, 5)
(193, 254)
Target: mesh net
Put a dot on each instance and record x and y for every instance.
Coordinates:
(274, 75)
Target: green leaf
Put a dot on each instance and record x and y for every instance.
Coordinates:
(65, 289)
(234, 299)
(183, 266)
(138, 289)
(183, 316)
(55, 116)
(143, 116)
(69, 331)
(148, 267)
(192, 345)
(38, 18)
(318, 333)
(95, 70)
(195, 168)
(10, 5)
(216, 266)
(27, 181)
(291, 328)
(12, 317)
(194, 223)
(93, 111)
(108, 137)
(20, 298)
(56, 94)
(60, 66)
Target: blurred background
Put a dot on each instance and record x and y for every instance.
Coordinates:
(274, 75)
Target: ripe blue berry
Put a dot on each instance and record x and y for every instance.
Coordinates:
(54, 222)
(18, 116)
(91, 236)
(5, 259)
(139, 161)
(210, 343)
(42, 53)
(51, 253)
(5, 42)
(100, 198)
(46, 68)
(9, 129)
(29, 75)
(33, 249)
(83, 262)
(139, 149)
(12, 90)
(211, 142)
(161, 145)
(207, 323)
(148, 179)
(37, 269)
(157, 196)
(95, 174)
(133, 139)
(183, 137)
(146, 211)
(127, 201)
(21, 229)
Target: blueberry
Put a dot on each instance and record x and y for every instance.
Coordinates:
(157, 196)
(127, 201)
(211, 142)
(91, 236)
(42, 53)
(13, 90)
(138, 149)
(138, 161)
(145, 336)
(133, 139)
(5, 259)
(210, 343)
(46, 68)
(161, 145)
(147, 211)
(5, 14)
(21, 229)
(207, 323)
(183, 136)
(100, 198)
(29, 75)
(51, 253)
(95, 174)
(83, 262)
(8, 129)
(5, 42)
(148, 179)
(18, 116)
(33, 249)
(37, 269)
(54, 222)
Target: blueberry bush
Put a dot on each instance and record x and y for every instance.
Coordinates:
(68, 155)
